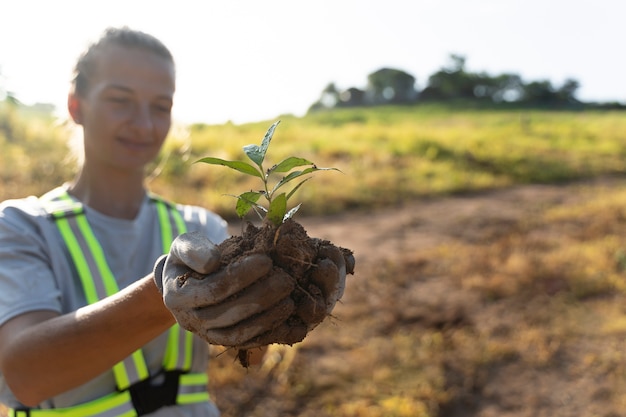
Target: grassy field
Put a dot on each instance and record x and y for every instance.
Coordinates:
(395, 154)
(387, 155)
(516, 313)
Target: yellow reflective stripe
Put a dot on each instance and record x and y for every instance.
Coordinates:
(180, 222)
(173, 358)
(165, 212)
(110, 286)
(188, 336)
(79, 260)
(196, 397)
(96, 250)
(188, 350)
(121, 372)
(116, 404)
(178, 339)
(166, 228)
(193, 388)
(121, 376)
(112, 405)
(171, 349)
(74, 248)
(194, 379)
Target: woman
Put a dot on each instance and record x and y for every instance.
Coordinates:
(83, 326)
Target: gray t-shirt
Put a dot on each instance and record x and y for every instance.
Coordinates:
(36, 273)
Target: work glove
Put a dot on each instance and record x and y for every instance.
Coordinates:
(314, 298)
(327, 282)
(250, 302)
(200, 294)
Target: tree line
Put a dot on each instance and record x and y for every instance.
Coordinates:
(454, 84)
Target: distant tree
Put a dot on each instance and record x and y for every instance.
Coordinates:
(539, 92)
(352, 97)
(330, 95)
(453, 82)
(388, 85)
(543, 92)
(456, 64)
(567, 92)
(507, 88)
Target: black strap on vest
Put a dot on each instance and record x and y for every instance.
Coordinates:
(158, 391)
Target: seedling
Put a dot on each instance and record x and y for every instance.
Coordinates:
(275, 206)
(306, 263)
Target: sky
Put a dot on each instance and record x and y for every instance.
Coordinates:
(253, 60)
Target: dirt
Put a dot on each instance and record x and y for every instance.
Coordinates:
(330, 354)
(512, 389)
(308, 263)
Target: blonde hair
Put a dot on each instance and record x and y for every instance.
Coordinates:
(123, 36)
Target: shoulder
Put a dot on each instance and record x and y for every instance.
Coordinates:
(27, 218)
(29, 209)
(201, 219)
(24, 229)
(24, 210)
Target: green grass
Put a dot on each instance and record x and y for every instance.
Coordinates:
(394, 154)
(387, 155)
(34, 153)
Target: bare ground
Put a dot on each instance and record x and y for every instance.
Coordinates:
(349, 363)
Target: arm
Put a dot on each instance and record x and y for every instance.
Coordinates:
(43, 354)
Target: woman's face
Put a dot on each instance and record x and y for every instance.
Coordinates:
(126, 109)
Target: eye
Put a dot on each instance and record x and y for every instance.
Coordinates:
(119, 100)
(162, 107)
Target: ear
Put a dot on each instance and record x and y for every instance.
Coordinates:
(73, 107)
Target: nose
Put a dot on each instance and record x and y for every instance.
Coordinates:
(142, 119)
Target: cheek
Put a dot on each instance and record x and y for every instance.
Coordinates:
(103, 118)
(162, 127)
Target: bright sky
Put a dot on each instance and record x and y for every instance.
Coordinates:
(249, 60)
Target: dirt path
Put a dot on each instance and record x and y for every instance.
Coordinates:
(420, 224)
(372, 315)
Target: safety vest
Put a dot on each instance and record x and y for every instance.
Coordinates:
(138, 392)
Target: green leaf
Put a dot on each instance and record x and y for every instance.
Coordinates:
(296, 188)
(291, 212)
(245, 202)
(257, 153)
(289, 163)
(289, 177)
(277, 210)
(243, 167)
(296, 174)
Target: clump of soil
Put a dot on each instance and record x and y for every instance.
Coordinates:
(305, 260)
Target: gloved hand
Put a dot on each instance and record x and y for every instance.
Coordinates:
(250, 302)
(198, 293)
(327, 284)
(316, 301)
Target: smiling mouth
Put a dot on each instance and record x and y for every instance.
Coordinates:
(129, 143)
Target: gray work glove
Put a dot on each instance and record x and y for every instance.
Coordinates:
(314, 301)
(250, 302)
(200, 295)
(327, 284)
